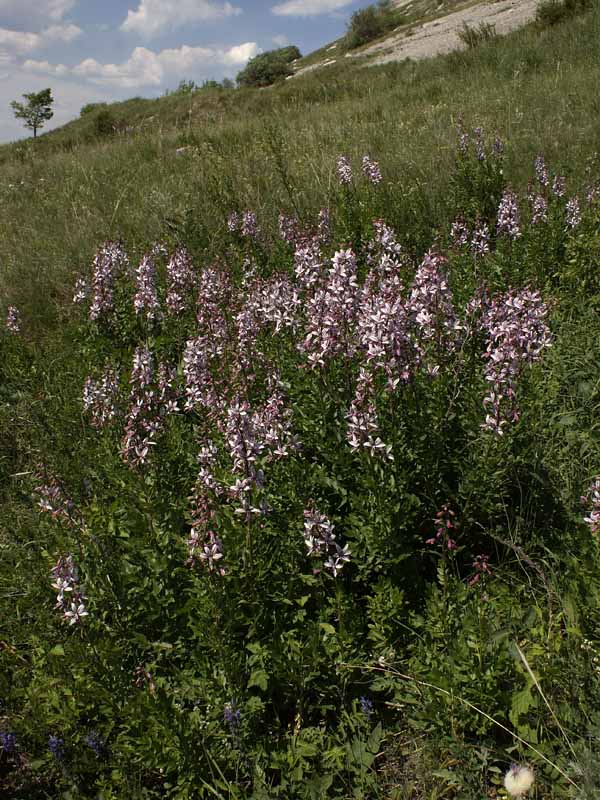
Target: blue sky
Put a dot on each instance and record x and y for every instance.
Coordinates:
(90, 51)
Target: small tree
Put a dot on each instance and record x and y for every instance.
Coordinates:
(36, 111)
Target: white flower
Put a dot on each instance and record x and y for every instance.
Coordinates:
(518, 780)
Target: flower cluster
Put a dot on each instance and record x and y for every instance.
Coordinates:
(319, 539)
(96, 743)
(331, 312)
(53, 500)
(482, 569)
(371, 170)
(109, 261)
(509, 216)
(592, 500)
(245, 224)
(232, 717)
(13, 319)
(180, 281)
(100, 398)
(81, 290)
(573, 213)
(517, 334)
(204, 546)
(56, 745)
(444, 524)
(8, 742)
(363, 425)
(149, 404)
(70, 599)
(344, 171)
(145, 300)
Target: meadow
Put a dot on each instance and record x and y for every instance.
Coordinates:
(299, 449)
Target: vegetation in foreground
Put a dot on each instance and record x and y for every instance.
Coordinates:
(330, 525)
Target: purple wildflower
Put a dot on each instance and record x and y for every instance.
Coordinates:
(517, 334)
(363, 426)
(96, 743)
(180, 280)
(573, 213)
(145, 299)
(324, 226)
(444, 523)
(100, 398)
(459, 233)
(56, 746)
(319, 539)
(479, 143)
(480, 243)
(541, 171)
(109, 261)
(482, 569)
(366, 707)
(592, 500)
(249, 225)
(13, 319)
(8, 742)
(539, 208)
(508, 216)
(344, 171)
(232, 717)
(66, 582)
(289, 228)
(81, 290)
(331, 312)
(234, 221)
(559, 186)
(371, 170)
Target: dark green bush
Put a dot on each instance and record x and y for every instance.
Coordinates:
(267, 68)
(552, 12)
(104, 123)
(89, 107)
(370, 23)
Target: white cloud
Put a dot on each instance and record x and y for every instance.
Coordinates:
(19, 42)
(154, 16)
(31, 13)
(147, 68)
(308, 8)
(281, 40)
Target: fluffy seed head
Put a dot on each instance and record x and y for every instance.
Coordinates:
(518, 780)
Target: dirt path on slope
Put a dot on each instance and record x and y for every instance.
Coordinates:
(441, 35)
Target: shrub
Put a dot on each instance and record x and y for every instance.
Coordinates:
(552, 12)
(104, 123)
(89, 107)
(371, 22)
(267, 68)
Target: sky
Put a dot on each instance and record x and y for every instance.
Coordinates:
(90, 51)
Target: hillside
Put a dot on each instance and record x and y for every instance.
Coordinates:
(299, 443)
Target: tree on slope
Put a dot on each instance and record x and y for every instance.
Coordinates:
(36, 111)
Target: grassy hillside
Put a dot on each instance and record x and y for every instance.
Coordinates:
(534, 88)
(299, 497)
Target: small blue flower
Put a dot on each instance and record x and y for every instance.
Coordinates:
(96, 743)
(366, 706)
(8, 742)
(57, 747)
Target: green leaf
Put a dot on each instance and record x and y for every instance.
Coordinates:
(259, 678)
